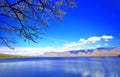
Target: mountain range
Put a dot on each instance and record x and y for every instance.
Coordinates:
(102, 51)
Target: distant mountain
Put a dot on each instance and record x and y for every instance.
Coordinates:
(102, 51)
(81, 51)
(76, 51)
(101, 48)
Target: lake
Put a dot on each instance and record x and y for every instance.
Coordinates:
(61, 67)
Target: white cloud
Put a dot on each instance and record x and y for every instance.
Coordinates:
(90, 40)
(93, 39)
(81, 40)
(105, 44)
(80, 44)
(25, 51)
(98, 45)
(106, 38)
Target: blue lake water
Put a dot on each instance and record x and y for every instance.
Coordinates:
(61, 67)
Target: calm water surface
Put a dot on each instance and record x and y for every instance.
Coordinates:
(61, 67)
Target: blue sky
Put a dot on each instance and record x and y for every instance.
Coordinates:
(91, 19)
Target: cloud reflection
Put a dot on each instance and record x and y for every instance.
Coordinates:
(79, 67)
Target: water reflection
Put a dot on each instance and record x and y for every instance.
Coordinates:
(62, 68)
(93, 69)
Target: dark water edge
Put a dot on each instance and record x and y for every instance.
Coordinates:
(60, 67)
(55, 58)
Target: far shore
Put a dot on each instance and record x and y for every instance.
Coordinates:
(18, 56)
(11, 56)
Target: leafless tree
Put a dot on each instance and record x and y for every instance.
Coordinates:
(31, 17)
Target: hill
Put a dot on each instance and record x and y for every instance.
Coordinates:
(10, 56)
(111, 51)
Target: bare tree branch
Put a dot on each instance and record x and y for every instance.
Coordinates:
(24, 11)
